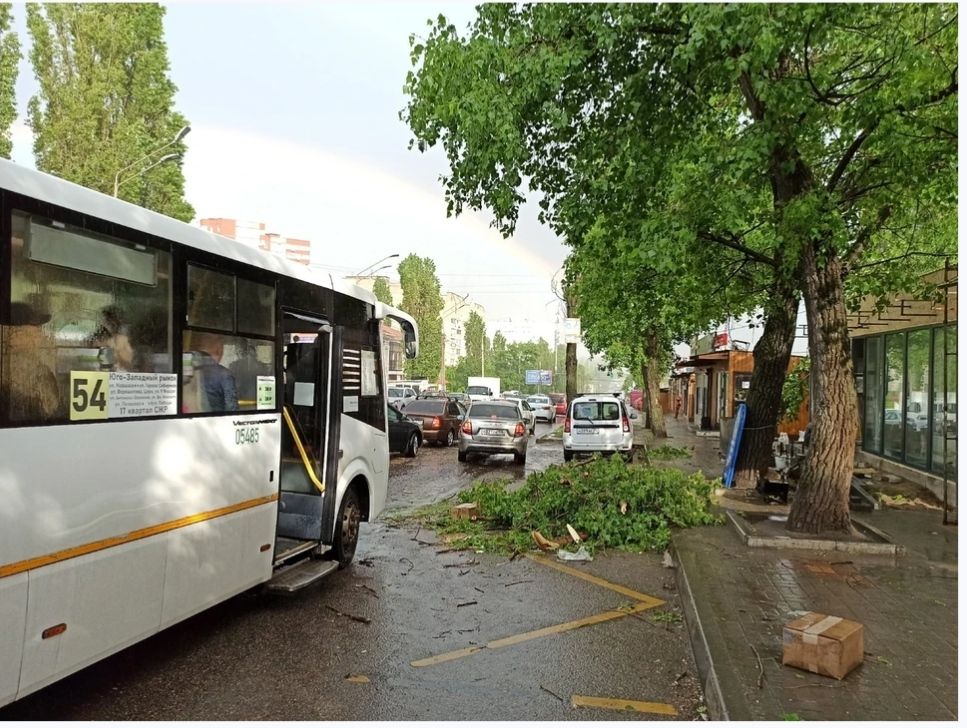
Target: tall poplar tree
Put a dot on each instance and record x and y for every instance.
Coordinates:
(9, 56)
(382, 291)
(422, 300)
(105, 110)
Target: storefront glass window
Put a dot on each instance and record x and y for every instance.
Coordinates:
(893, 401)
(944, 424)
(917, 420)
(873, 395)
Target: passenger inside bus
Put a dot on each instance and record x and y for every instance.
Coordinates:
(34, 395)
(216, 387)
(113, 338)
(247, 369)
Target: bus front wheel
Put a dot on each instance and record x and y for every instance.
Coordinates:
(347, 529)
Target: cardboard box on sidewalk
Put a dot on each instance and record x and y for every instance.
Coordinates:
(823, 644)
(465, 512)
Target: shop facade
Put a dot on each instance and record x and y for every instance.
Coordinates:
(905, 366)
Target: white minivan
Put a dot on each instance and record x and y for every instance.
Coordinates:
(597, 423)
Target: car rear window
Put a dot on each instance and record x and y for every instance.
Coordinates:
(425, 407)
(597, 411)
(538, 400)
(500, 411)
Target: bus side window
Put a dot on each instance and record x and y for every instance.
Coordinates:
(98, 303)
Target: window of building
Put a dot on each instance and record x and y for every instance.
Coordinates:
(85, 306)
(911, 428)
(893, 400)
(917, 409)
(943, 424)
(873, 395)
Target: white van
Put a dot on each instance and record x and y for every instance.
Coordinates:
(597, 423)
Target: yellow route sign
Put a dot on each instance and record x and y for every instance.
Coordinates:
(89, 395)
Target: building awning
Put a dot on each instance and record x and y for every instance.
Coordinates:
(704, 360)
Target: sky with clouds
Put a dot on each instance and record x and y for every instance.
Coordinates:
(294, 109)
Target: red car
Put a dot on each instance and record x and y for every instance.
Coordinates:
(636, 399)
(560, 403)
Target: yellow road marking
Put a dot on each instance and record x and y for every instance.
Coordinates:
(637, 596)
(533, 635)
(20, 566)
(446, 657)
(587, 701)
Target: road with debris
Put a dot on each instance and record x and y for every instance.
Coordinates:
(414, 631)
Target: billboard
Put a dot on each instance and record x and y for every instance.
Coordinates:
(538, 376)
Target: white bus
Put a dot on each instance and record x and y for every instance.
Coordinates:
(182, 417)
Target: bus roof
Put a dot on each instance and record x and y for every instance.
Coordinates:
(56, 191)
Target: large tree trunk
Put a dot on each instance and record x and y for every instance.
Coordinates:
(822, 499)
(571, 371)
(652, 386)
(772, 354)
(571, 351)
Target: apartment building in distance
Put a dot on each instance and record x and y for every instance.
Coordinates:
(254, 235)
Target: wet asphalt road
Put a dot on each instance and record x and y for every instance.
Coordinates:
(435, 474)
(259, 657)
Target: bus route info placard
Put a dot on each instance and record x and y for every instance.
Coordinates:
(734, 446)
(111, 395)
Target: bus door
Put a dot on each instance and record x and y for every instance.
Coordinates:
(310, 433)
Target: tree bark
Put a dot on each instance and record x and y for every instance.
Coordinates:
(571, 371)
(652, 379)
(822, 499)
(772, 354)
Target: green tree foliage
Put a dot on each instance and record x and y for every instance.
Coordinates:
(9, 57)
(422, 300)
(784, 148)
(617, 506)
(106, 103)
(382, 291)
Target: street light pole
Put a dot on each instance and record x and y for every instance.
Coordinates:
(393, 255)
(182, 133)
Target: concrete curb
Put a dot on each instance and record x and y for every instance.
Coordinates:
(811, 544)
(714, 700)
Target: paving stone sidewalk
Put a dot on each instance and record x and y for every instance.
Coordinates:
(738, 598)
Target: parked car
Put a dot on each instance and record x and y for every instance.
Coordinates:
(494, 427)
(405, 433)
(542, 406)
(597, 423)
(399, 396)
(527, 413)
(432, 394)
(636, 399)
(461, 397)
(560, 403)
(441, 419)
(464, 408)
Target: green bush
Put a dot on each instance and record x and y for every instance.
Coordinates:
(589, 496)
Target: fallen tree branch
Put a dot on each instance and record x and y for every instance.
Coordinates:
(355, 618)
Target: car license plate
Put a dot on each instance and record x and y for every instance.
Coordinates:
(496, 433)
(588, 431)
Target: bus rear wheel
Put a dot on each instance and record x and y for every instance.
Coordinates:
(347, 529)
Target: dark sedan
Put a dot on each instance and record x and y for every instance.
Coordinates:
(441, 419)
(405, 434)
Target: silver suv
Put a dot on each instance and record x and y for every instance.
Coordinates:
(494, 427)
(597, 423)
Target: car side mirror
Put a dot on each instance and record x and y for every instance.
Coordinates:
(634, 416)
